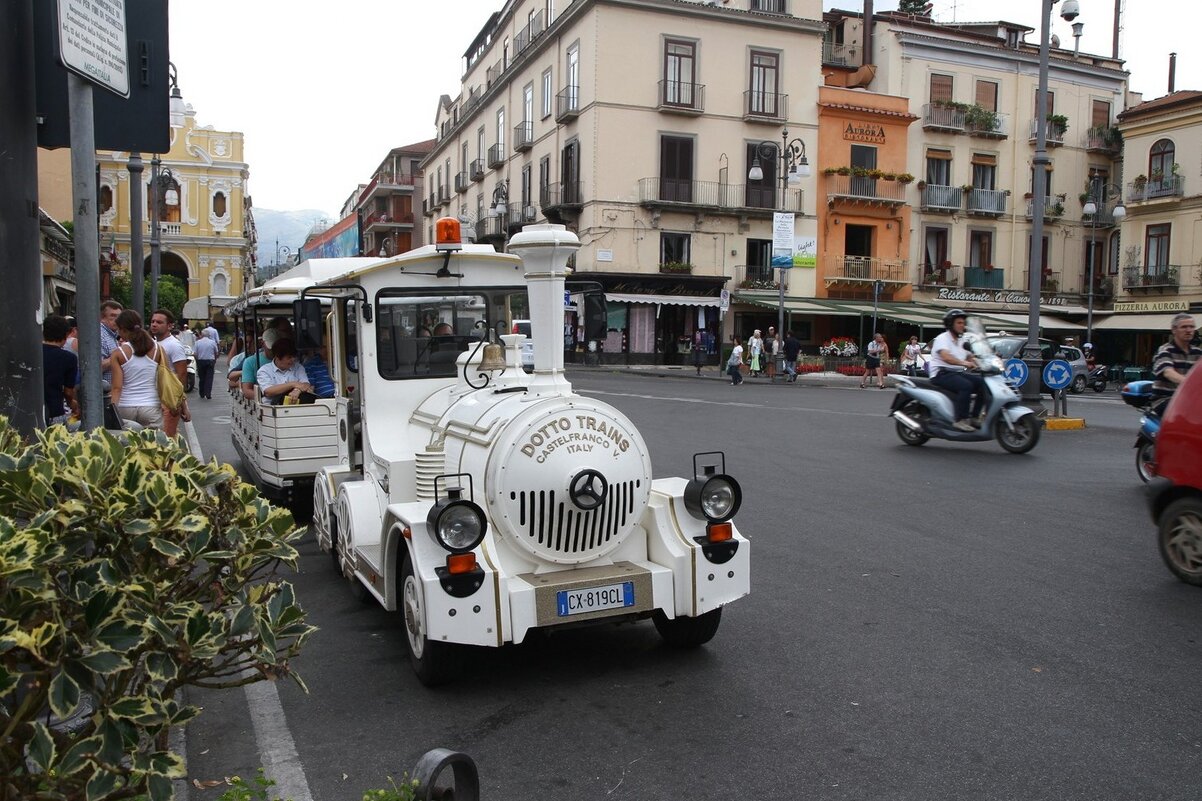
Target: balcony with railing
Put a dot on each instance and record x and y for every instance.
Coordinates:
(1164, 277)
(1104, 139)
(1053, 209)
(717, 198)
(986, 202)
(865, 270)
(1050, 282)
(984, 278)
(166, 228)
(1056, 129)
(770, 6)
(491, 227)
(1104, 218)
(528, 34)
(941, 117)
(523, 137)
(562, 197)
(837, 54)
(981, 122)
(681, 97)
(476, 170)
(428, 206)
(1156, 187)
(522, 214)
(444, 196)
(567, 104)
(766, 107)
(947, 275)
(759, 276)
(496, 156)
(493, 73)
(865, 190)
(943, 199)
(462, 182)
(383, 220)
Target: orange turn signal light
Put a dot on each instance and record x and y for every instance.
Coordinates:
(447, 235)
(719, 532)
(458, 563)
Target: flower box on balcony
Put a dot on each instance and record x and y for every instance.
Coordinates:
(676, 267)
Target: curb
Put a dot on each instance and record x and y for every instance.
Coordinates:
(684, 374)
(1064, 423)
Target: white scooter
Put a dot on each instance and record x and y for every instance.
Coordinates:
(190, 383)
(924, 410)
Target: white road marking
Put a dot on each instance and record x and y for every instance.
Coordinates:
(277, 749)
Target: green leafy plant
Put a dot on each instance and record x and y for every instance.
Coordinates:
(405, 791)
(255, 790)
(1059, 122)
(905, 178)
(676, 267)
(128, 570)
(979, 118)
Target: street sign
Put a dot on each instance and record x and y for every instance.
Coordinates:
(567, 299)
(1016, 372)
(1057, 374)
(92, 41)
(724, 300)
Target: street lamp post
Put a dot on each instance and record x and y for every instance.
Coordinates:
(160, 181)
(499, 208)
(1097, 196)
(1031, 352)
(793, 167)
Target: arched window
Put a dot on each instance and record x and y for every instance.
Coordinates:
(1160, 160)
(219, 205)
(220, 285)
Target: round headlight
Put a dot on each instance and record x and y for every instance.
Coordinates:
(715, 498)
(458, 525)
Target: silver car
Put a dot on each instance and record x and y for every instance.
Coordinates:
(1009, 346)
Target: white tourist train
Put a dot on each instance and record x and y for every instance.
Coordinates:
(483, 502)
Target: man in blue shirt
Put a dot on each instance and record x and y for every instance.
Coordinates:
(283, 377)
(319, 375)
(206, 363)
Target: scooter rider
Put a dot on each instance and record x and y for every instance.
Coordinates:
(950, 362)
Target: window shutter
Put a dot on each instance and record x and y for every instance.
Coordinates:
(984, 159)
(939, 154)
(941, 88)
(987, 95)
(1101, 114)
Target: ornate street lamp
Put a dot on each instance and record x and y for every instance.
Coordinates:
(1097, 195)
(793, 167)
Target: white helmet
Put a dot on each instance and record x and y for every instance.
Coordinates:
(1088, 346)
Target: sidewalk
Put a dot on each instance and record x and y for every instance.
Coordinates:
(712, 373)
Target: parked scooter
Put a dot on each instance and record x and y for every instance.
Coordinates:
(924, 410)
(1139, 395)
(1097, 377)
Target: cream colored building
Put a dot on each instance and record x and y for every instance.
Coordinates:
(1159, 272)
(636, 123)
(973, 88)
(207, 229)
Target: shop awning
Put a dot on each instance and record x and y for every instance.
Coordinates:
(799, 305)
(1018, 322)
(1137, 322)
(662, 300)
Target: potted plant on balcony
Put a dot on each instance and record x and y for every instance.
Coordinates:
(830, 170)
(889, 176)
(1059, 122)
(988, 268)
(922, 185)
(967, 188)
(979, 118)
(676, 267)
(907, 178)
(1051, 285)
(843, 170)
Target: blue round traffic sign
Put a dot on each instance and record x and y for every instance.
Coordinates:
(1058, 374)
(1016, 372)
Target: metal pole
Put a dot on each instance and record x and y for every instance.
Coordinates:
(784, 191)
(156, 244)
(1093, 255)
(87, 245)
(20, 303)
(1031, 353)
(137, 262)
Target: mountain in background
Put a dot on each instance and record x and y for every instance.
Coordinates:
(289, 228)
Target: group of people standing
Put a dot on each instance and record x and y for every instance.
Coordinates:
(762, 354)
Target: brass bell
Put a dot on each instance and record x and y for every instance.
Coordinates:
(493, 358)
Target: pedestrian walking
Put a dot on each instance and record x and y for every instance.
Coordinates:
(161, 323)
(874, 362)
(698, 349)
(735, 363)
(755, 350)
(792, 348)
(135, 369)
(911, 357)
(772, 346)
(206, 364)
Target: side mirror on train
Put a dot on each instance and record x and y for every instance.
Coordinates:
(309, 317)
(596, 316)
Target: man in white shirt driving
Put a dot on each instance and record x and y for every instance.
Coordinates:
(950, 363)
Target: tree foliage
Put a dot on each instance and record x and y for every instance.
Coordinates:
(172, 294)
(912, 7)
(128, 570)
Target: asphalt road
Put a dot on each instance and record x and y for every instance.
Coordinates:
(944, 622)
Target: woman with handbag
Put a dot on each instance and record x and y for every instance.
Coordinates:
(135, 391)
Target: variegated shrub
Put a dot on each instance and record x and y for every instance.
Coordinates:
(128, 570)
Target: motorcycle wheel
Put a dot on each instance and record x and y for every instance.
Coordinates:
(1099, 386)
(1022, 438)
(1078, 385)
(907, 434)
(190, 384)
(1145, 460)
(1179, 536)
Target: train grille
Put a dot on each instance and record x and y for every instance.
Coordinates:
(554, 523)
(431, 463)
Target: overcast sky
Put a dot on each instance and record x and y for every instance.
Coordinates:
(323, 90)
